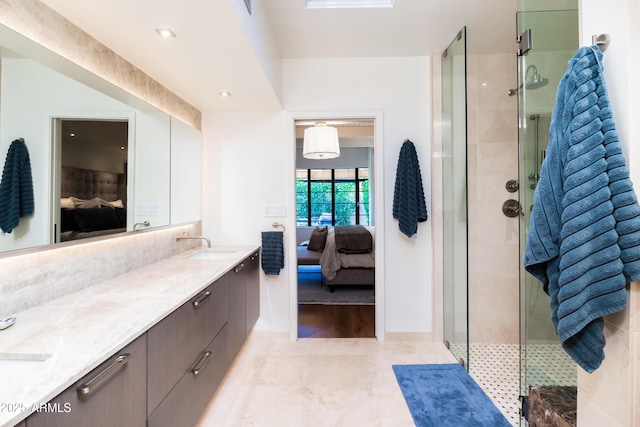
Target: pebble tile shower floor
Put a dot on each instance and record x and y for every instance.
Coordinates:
(496, 368)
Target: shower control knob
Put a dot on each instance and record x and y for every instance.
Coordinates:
(512, 186)
(512, 208)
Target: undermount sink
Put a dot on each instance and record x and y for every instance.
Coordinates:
(14, 365)
(213, 254)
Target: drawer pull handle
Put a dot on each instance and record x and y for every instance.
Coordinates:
(238, 268)
(201, 362)
(254, 256)
(203, 297)
(102, 376)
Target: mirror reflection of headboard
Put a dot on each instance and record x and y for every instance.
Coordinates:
(87, 184)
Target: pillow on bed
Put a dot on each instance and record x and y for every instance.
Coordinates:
(67, 203)
(318, 239)
(86, 203)
(115, 204)
(95, 219)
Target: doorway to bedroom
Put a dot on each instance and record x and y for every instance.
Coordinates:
(336, 290)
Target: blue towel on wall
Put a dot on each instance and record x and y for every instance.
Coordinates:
(409, 205)
(584, 238)
(272, 252)
(16, 187)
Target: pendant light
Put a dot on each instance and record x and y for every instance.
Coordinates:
(321, 142)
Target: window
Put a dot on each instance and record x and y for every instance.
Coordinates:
(332, 196)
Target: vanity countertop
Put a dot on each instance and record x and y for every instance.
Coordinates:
(54, 344)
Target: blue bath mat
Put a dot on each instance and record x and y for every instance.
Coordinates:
(446, 396)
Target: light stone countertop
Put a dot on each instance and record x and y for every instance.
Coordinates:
(77, 332)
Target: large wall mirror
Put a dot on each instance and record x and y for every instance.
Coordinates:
(119, 141)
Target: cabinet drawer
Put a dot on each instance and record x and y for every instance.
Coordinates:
(113, 394)
(175, 342)
(190, 397)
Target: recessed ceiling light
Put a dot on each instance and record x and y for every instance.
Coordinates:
(337, 4)
(224, 94)
(165, 33)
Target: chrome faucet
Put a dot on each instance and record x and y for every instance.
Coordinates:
(185, 236)
(145, 223)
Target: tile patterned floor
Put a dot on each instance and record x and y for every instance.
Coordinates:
(349, 382)
(496, 368)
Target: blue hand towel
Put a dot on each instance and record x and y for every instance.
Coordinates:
(272, 252)
(16, 187)
(409, 205)
(584, 238)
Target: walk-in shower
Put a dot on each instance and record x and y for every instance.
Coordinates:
(496, 316)
(543, 361)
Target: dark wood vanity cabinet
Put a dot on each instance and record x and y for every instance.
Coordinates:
(167, 376)
(190, 351)
(177, 342)
(186, 402)
(244, 297)
(113, 394)
(252, 277)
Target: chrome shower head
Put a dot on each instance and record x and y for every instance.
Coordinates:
(536, 81)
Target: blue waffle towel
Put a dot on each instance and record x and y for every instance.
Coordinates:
(584, 238)
(409, 206)
(272, 252)
(16, 187)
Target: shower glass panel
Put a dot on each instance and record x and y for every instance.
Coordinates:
(454, 182)
(554, 36)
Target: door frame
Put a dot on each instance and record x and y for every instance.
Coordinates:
(378, 174)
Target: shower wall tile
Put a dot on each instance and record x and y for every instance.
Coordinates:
(493, 237)
(497, 126)
(497, 161)
(610, 385)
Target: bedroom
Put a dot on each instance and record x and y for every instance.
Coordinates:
(92, 167)
(335, 194)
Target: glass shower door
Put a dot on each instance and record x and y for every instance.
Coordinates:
(554, 36)
(454, 182)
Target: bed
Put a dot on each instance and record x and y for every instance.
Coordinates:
(93, 203)
(341, 266)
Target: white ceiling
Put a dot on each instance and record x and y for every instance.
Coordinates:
(211, 52)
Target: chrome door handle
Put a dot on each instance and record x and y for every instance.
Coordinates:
(202, 298)
(102, 376)
(204, 358)
(238, 268)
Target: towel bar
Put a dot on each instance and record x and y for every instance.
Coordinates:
(277, 224)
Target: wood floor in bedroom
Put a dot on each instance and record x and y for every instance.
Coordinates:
(336, 321)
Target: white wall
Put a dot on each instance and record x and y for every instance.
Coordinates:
(244, 158)
(186, 173)
(248, 162)
(611, 395)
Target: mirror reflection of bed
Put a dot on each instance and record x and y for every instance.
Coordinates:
(93, 179)
(336, 289)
